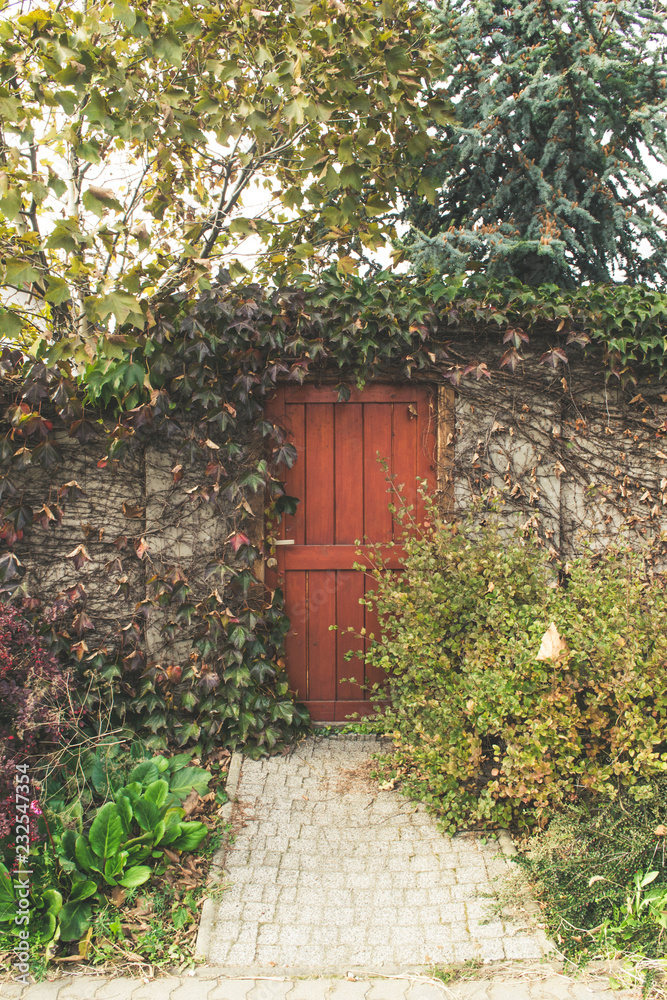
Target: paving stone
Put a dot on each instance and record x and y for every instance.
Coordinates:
(269, 990)
(348, 991)
(193, 989)
(424, 991)
(466, 951)
(12, 990)
(492, 950)
(512, 990)
(229, 989)
(522, 948)
(113, 989)
(471, 991)
(557, 987)
(389, 989)
(158, 989)
(47, 990)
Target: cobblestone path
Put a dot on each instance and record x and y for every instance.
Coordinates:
(328, 874)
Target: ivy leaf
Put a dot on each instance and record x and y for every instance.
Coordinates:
(79, 556)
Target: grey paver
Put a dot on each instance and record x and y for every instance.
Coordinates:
(388, 989)
(8, 991)
(157, 989)
(232, 989)
(349, 991)
(113, 989)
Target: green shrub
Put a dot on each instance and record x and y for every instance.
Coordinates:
(587, 870)
(487, 733)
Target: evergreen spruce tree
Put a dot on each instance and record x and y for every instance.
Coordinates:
(549, 174)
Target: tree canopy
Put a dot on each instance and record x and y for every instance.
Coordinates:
(549, 173)
(143, 145)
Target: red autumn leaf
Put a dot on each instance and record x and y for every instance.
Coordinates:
(82, 623)
(79, 556)
(511, 358)
(554, 357)
(71, 488)
(75, 593)
(9, 534)
(44, 517)
(215, 470)
(134, 660)
(516, 336)
(237, 540)
(141, 547)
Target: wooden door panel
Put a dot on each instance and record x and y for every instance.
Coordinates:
(349, 472)
(344, 497)
(321, 684)
(377, 442)
(319, 462)
(294, 419)
(404, 455)
(349, 613)
(296, 640)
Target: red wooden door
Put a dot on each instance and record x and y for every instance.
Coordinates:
(344, 497)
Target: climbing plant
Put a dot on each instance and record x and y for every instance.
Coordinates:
(195, 380)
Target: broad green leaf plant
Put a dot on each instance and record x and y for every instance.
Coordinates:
(143, 145)
(125, 842)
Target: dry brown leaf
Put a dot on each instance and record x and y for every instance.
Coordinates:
(192, 803)
(118, 895)
(552, 644)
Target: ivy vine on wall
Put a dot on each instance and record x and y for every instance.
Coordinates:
(190, 647)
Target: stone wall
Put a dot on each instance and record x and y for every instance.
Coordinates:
(118, 532)
(579, 460)
(582, 459)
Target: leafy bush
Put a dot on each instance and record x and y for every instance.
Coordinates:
(34, 711)
(588, 867)
(485, 731)
(117, 844)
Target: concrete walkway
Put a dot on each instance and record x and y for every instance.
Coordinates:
(329, 875)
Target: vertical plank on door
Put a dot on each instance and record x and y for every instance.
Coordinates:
(373, 675)
(377, 438)
(426, 443)
(321, 640)
(294, 525)
(296, 640)
(349, 612)
(404, 458)
(319, 426)
(349, 473)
